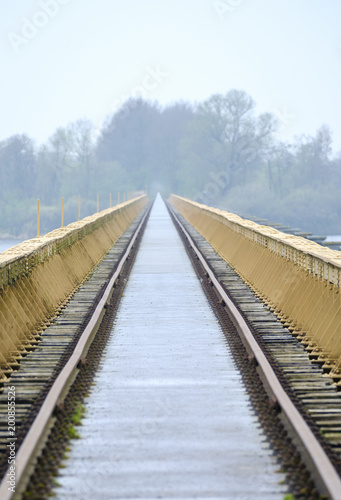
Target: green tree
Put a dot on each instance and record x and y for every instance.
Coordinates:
(17, 166)
(127, 137)
(83, 141)
(238, 137)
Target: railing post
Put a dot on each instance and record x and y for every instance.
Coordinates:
(97, 203)
(79, 208)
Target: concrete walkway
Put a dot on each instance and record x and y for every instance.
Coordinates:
(168, 417)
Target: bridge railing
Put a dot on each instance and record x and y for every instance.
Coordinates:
(39, 275)
(297, 278)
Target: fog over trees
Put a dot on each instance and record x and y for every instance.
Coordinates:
(219, 152)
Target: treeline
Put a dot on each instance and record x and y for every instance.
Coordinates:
(219, 152)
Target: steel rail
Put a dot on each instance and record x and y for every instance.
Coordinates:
(325, 475)
(27, 450)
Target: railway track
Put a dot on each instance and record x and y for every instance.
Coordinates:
(41, 383)
(306, 402)
(298, 407)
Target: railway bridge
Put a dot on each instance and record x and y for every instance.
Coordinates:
(168, 349)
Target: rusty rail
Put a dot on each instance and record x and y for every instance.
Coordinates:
(315, 458)
(32, 443)
(297, 278)
(39, 275)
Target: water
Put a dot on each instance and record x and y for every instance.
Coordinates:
(5, 244)
(333, 242)
(333, 238)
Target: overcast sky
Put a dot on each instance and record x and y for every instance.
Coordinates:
(67, 59)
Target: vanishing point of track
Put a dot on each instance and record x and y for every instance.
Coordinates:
(313, 465)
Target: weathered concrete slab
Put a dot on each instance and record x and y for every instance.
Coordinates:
(168, 417)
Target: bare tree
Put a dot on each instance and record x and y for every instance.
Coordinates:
(241, 137)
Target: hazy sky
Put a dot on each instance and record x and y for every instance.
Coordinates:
(67, 59)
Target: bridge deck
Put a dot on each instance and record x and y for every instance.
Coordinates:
(168, 416)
